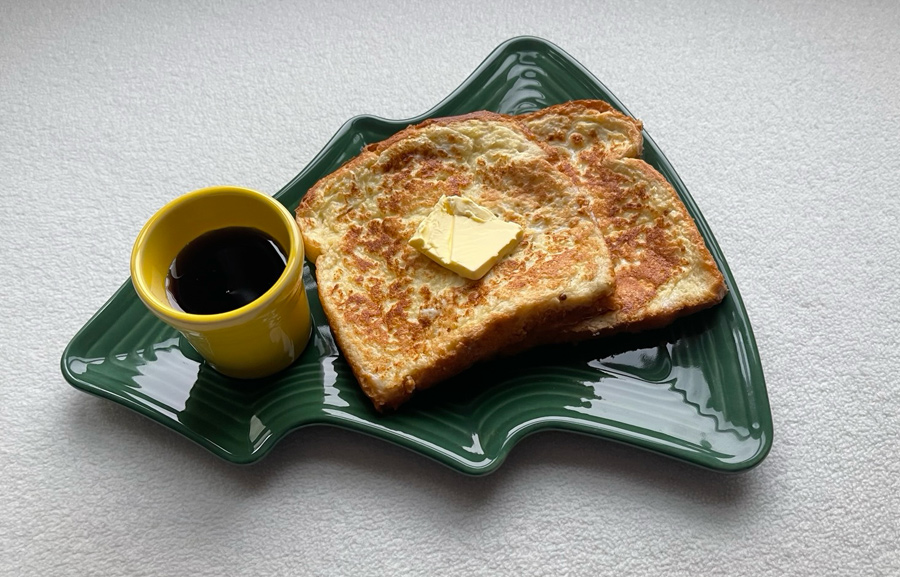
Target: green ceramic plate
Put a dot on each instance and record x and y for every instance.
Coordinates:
(694, 391)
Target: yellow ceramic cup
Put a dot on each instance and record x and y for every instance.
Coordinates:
(252, 341)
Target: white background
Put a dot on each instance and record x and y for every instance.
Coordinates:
(783, 120)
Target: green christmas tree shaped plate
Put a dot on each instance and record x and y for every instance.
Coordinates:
(693, 391)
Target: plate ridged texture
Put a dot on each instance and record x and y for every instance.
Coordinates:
(693, 391)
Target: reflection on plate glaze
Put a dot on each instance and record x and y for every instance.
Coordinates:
(664, 407)
(475, 447)
(155, 365)
(669, 390)
(146, 374)
(526, 94)
(694, 391)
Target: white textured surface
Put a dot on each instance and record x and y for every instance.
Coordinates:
(783, 120)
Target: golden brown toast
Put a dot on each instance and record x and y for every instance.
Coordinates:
(663, 268)
(404, 322)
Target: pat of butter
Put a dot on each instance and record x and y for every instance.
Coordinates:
(465, 237)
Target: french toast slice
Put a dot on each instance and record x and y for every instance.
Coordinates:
(404, 322)
(662, 267)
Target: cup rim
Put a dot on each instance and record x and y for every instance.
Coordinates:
(167, 311)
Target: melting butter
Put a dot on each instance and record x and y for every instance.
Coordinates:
(465, 237)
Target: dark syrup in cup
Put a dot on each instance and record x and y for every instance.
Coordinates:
(223, 270)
